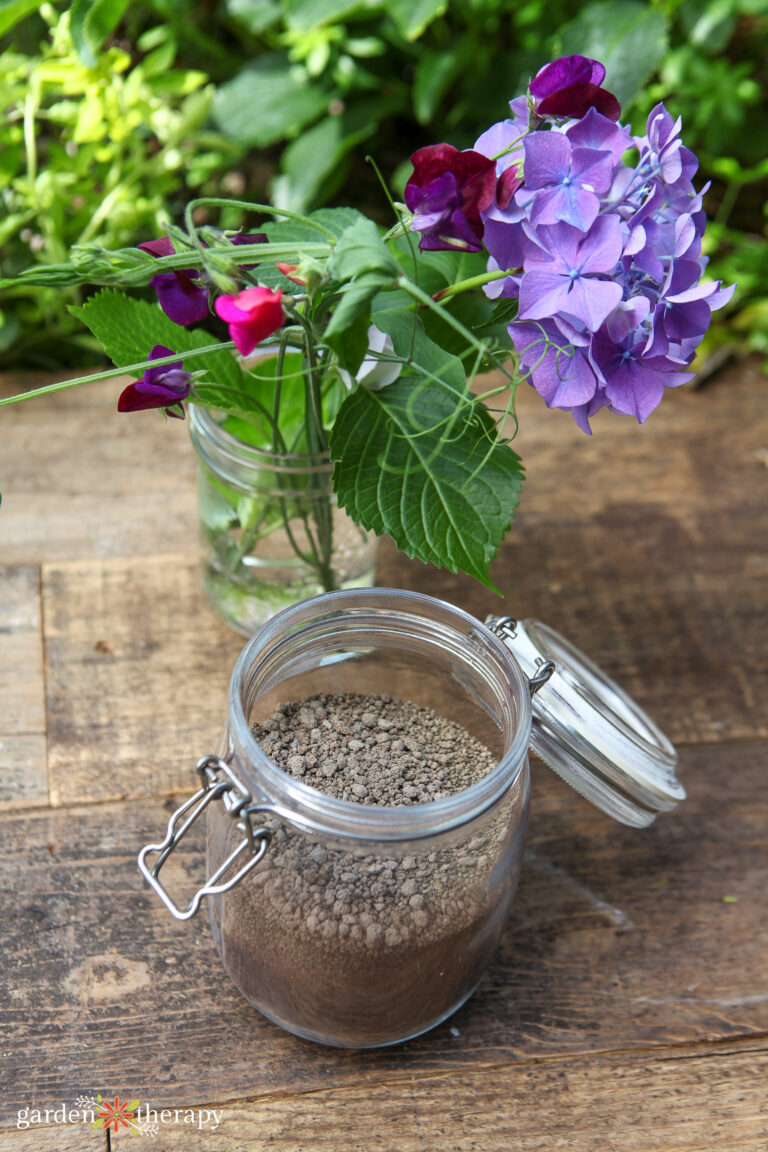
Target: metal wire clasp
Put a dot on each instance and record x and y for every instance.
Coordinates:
(506, 628)
(218, 782)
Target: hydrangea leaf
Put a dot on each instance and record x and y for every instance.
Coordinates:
(411, 463)
(360, 250)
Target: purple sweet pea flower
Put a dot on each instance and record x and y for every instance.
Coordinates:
(568, 276)
(181, 294)
(564, 183)
(570, 86)
(162, 387)
(446, 194)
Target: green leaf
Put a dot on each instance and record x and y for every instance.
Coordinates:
(255, 15)
(268, 101)
(91, 22)
(627, 36)
(12, 11)
(434, 73)
(347, 332)
(427, 361)
(128, 329)
(412, 17)
(411, 463)
(305, 15)
(354, 302)
(311, 161)
(360, 250)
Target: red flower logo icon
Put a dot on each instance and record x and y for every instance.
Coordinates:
(116, 1113)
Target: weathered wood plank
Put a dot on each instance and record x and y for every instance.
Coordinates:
(23, 767)
(681, 1102)
(134, 696)
(63, 1138)
(685, 1100)
(619, 940)
(137, 674)
(80, 479)
(129, 489)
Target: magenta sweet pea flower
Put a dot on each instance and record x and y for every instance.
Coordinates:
(162, 387)
(570, 86)
(446, 194)
(252, 315)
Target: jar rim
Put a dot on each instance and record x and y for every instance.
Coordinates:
(211, 440)
(316, 811)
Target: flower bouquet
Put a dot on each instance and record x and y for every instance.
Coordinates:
(332, 369)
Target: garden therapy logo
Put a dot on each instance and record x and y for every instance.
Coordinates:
(117, 1115)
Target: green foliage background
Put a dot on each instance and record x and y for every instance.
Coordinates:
(117, 112)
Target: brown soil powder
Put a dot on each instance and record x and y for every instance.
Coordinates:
(367, 945)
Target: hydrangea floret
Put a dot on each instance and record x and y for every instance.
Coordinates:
(562, 249)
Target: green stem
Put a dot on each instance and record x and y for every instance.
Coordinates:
(248, 206)
(423, 298)
(472, 282)
(111, 373)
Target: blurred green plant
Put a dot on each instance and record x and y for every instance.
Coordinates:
(308, 86)
(96, 145)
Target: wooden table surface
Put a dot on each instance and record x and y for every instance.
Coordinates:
(627, 1007)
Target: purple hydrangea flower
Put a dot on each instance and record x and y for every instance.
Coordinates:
(603, 254)
(633, 381)
(562, 372)
(164, 386)
(571, 275)
(569, 181)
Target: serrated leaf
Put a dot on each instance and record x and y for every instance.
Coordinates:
(91, 21)
(128, 329)
(627, 36)
(426, 359)
(408, 465)
(361, 251)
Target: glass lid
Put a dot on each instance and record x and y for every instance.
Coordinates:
(589, 730)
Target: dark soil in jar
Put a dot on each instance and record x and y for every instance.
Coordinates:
(368, 947)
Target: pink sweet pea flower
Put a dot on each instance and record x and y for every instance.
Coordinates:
(252, 315)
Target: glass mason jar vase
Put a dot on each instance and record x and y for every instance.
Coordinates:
(271, 530)
(357, 925)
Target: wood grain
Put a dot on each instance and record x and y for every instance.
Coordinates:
(80, 479)
(619, 940)
(137, 672)
(23, 768)
(627, 1006)
(678, 1101)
